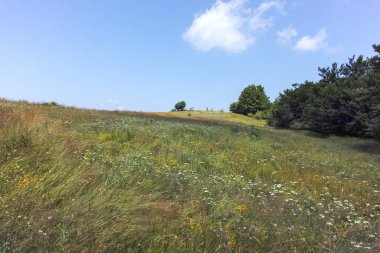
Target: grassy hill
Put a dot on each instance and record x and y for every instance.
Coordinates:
(212, 116)
(84, 180)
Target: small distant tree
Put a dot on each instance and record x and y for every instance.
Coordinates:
(180, 106)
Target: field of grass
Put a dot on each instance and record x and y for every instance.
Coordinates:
(215, 116)
(92, 181)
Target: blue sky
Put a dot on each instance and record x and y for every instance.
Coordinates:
(147, 55)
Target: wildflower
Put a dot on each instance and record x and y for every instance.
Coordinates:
(242, 208)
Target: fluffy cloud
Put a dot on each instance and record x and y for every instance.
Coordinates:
(111, 104)
(229, 26)
(308, 43)
(285, 36)
(258, 21)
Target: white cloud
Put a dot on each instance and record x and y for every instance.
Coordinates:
(308, 43)
(111, 104)
(229, 26)
(284, 36)
(257, 21)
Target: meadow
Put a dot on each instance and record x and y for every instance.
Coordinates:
(210, 117)
(74, 180)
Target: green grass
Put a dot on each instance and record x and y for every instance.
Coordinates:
(84, 180)
(215, 116)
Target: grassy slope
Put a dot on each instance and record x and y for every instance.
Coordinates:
(215, 116)
(74, 180)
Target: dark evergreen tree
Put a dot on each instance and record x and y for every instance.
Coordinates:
(346, 101)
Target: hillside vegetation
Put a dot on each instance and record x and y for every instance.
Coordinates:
(93, 181)
(211, 117)
(346, 101)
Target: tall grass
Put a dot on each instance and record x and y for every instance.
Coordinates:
(212, 116)
(81, 180)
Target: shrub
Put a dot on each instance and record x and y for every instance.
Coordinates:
(261, 115)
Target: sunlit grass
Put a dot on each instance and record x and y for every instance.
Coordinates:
(214, 116)
(83, 180)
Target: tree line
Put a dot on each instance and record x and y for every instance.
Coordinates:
(345, 101)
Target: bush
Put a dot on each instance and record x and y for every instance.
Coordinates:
(261, 115)
(50, 104)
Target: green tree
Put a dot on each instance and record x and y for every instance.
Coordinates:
(373, 95)
(346, 101)
(251, 100)
(233, 107)
(180, 106)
